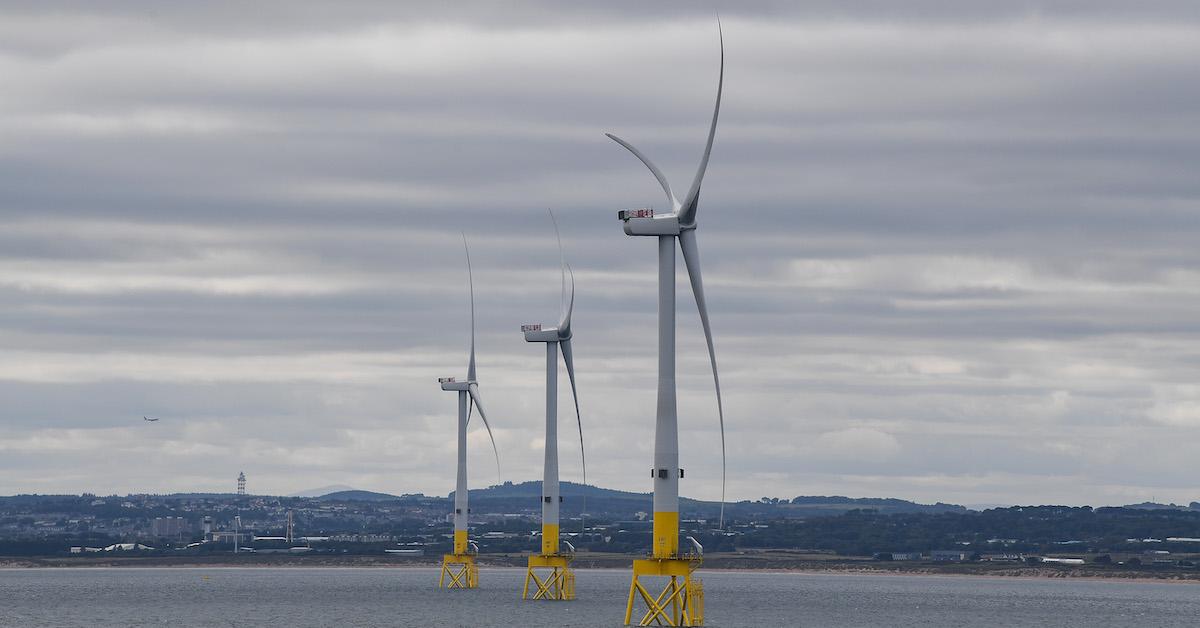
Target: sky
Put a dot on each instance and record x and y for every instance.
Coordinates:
(949, 248)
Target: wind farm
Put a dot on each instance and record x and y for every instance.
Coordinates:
(680, 601)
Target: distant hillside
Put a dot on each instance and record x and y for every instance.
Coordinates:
(324, 490)
(356, 495)
(1156, 506)
(525, 498)
(510, 497)
(882, 505)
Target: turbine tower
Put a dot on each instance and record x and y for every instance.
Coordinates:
(559, 583)
(460, 564)
(680, 604)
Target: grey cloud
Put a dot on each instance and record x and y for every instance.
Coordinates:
(959, 237)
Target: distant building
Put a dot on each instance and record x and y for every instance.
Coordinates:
(950, 555)
(126, 547)
(897, 556)
(1063, 561)
(169, 527)
(228, 536)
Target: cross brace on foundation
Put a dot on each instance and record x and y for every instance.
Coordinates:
(681, 602)
(552, 578)
(460, 571)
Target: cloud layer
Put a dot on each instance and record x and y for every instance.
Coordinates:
(950, 253)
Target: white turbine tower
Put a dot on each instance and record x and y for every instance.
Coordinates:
(464, 574)
(560, 583)
(680, 224)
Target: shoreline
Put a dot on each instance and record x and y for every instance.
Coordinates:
(729, 564)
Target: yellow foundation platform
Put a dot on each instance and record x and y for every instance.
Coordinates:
(551, 576)
(460, 570)
(681, 602)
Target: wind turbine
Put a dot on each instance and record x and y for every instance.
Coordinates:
(560, 583)
(460, 565)
(679, 225)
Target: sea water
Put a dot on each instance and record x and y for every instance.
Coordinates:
(285, 597)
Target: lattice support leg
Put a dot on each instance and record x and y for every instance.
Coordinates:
(681, 601)
(458, 572)
(552, 578)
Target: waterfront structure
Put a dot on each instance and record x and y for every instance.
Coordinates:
(458, 567)
(237, 520)
(170, 527)
(681, 602)
(550, 571)
(955, 556)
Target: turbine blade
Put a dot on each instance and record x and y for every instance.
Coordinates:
(662, 180)
(471, 283)
(562, 264)
(687, 212)
(564, 325)
(474, 390)
(470, 407)
(691, 257)
(568, 358)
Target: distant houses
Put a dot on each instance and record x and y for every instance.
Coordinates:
(954, 556)
(897, 556)
(1062, 561)
(935, 555)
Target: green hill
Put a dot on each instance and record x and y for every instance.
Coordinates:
(356, 496)
(525, 496)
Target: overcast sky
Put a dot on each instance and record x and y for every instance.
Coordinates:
(950, 249)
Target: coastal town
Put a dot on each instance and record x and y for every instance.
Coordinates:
(806, 533)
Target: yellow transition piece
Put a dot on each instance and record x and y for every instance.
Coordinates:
(666, 534)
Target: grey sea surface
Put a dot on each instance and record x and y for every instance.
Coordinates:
(409, 597)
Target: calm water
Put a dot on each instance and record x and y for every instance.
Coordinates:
(408, 597)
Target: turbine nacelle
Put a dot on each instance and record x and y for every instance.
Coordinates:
(535, 332)
(451, 383)
(643, 222)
